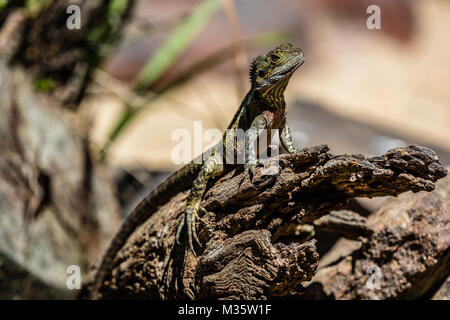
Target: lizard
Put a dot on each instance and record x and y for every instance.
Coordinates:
(263, 107)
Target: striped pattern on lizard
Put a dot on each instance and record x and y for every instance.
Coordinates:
(262, 108)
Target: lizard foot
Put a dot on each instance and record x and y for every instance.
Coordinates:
(297, 150)
(189, 219)
(249, 170)
(267, 175)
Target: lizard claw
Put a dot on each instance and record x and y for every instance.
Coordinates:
(203, 211)
(189, 219)
(179, 229)
(249, 171)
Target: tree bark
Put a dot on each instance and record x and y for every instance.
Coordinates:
(258, 243)
(408, 252)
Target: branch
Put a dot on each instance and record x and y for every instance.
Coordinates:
(251, 243)
(410, 246)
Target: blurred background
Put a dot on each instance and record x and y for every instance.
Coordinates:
(87, 114)
(359, 91)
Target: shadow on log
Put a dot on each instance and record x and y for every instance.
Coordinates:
(258, 243)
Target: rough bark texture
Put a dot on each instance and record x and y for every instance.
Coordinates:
(410, 246)
(254, 243)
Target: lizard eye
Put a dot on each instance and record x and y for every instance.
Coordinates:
(275, 58)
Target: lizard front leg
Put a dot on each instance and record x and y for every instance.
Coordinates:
(251, 137)
(213, 166)
(286, 139)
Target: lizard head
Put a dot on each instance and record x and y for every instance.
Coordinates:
(280, 63)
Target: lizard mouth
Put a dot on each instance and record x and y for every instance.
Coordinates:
(286, 71)
(291, 69)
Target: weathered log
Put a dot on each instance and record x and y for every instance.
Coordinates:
(346, 223)
(251, 243)
(406, 257)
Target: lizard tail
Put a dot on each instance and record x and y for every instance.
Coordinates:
(177, 182)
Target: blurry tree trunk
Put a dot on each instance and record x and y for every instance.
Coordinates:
(59, 59)
(56, 207)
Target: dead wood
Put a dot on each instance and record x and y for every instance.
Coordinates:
(409, 247)
(252, 241)
(345, 223)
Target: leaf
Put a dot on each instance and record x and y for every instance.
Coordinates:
(177, 42)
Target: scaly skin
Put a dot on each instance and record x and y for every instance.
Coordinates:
(262, 108)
